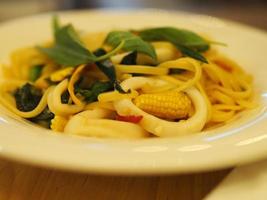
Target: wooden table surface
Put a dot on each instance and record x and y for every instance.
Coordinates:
(24, 182)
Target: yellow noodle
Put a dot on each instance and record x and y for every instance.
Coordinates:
(187, 64)
(125, 76)
(97, 104)
(10, 85)
(221, 116)
(55, 104)
(115, 95)
(74, 78)
(159, 89)
(238, 95)
(246, 103)
(227, 107)
(139, 69)
(204, 94)
(222, 98)
(172, 80)
(219, 73)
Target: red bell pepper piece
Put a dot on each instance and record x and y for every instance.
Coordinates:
(130, 118)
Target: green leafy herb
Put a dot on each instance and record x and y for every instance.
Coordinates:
(107, 67)
(35, 72)
(130, 59)
(55, 24)
(188, 42)
(69, 50)
(132, 43)
(91, 94)
(44, 118)
(46, 114)
(192, 53)
(27, 97)
(217, 43)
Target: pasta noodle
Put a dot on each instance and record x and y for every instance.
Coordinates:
(74, 78)
(157, 88)
(55, 104)
(93, 123)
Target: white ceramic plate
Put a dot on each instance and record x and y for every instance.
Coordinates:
(237, 143)
(252, 178)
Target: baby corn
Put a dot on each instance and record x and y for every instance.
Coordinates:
(61, 74)
(169, 105)
(58, 123)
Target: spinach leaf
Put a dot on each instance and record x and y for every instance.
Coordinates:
(129, 59)
(46, 114)
(69, 50)
(27, 97)
(188, 42)
(35, 72)
(44, 118)
(91, 94)
(132, 43)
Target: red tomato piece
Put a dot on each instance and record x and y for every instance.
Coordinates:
(130, 118)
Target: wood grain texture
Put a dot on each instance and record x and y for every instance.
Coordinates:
(23, 182)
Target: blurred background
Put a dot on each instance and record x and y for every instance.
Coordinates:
(252, 12)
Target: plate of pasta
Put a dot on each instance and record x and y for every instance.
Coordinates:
(132, 92)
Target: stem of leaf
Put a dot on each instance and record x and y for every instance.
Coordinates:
(217, 43)
(111, 53)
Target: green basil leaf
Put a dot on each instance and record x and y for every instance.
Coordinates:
(129, 59)
(68, 49)
(176, 36)
(188, 42)
(55, 24)
(107, 67)
(132, 43)
(192, 53)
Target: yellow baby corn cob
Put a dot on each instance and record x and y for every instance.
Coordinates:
(58, 123)
(61, 74)
(169, 105)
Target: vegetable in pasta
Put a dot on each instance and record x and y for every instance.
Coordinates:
(163, 82)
